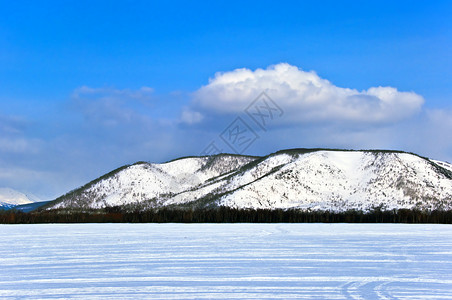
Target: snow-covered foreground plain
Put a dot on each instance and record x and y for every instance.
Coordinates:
(234, 261)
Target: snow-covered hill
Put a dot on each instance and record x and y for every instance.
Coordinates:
(10, 198)
(309, 179)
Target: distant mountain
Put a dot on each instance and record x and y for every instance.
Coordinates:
(307, 179)
(10, 198)
(29, 207)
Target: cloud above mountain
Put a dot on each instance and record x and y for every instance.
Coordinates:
(303, 96)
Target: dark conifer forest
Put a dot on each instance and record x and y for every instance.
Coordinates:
(224, 215)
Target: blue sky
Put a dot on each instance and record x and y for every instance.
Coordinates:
(87, 86)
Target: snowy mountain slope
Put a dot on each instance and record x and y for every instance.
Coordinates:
(10, 198)
(332, 180)
(150, 182)
(443, 164)
(309, 179)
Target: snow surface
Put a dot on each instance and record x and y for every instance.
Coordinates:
(226, 261)
(317, 180)
(341, 180)
(443, 164)
(152, 182)
(12, 197)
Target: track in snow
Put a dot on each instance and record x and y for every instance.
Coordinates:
(219, 261)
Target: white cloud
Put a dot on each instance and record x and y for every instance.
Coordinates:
(111, 107)
(191, 117)
(12, 124)
(142, 93)
(304, 96)
(19, 145)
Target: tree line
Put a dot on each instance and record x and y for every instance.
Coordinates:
(225, 215)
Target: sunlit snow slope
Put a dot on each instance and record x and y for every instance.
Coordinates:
(10, 198)
(308, 179)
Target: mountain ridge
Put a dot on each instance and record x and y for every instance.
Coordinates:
(301, 178)
(10, 198)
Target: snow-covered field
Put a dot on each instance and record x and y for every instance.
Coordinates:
(233, 261)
